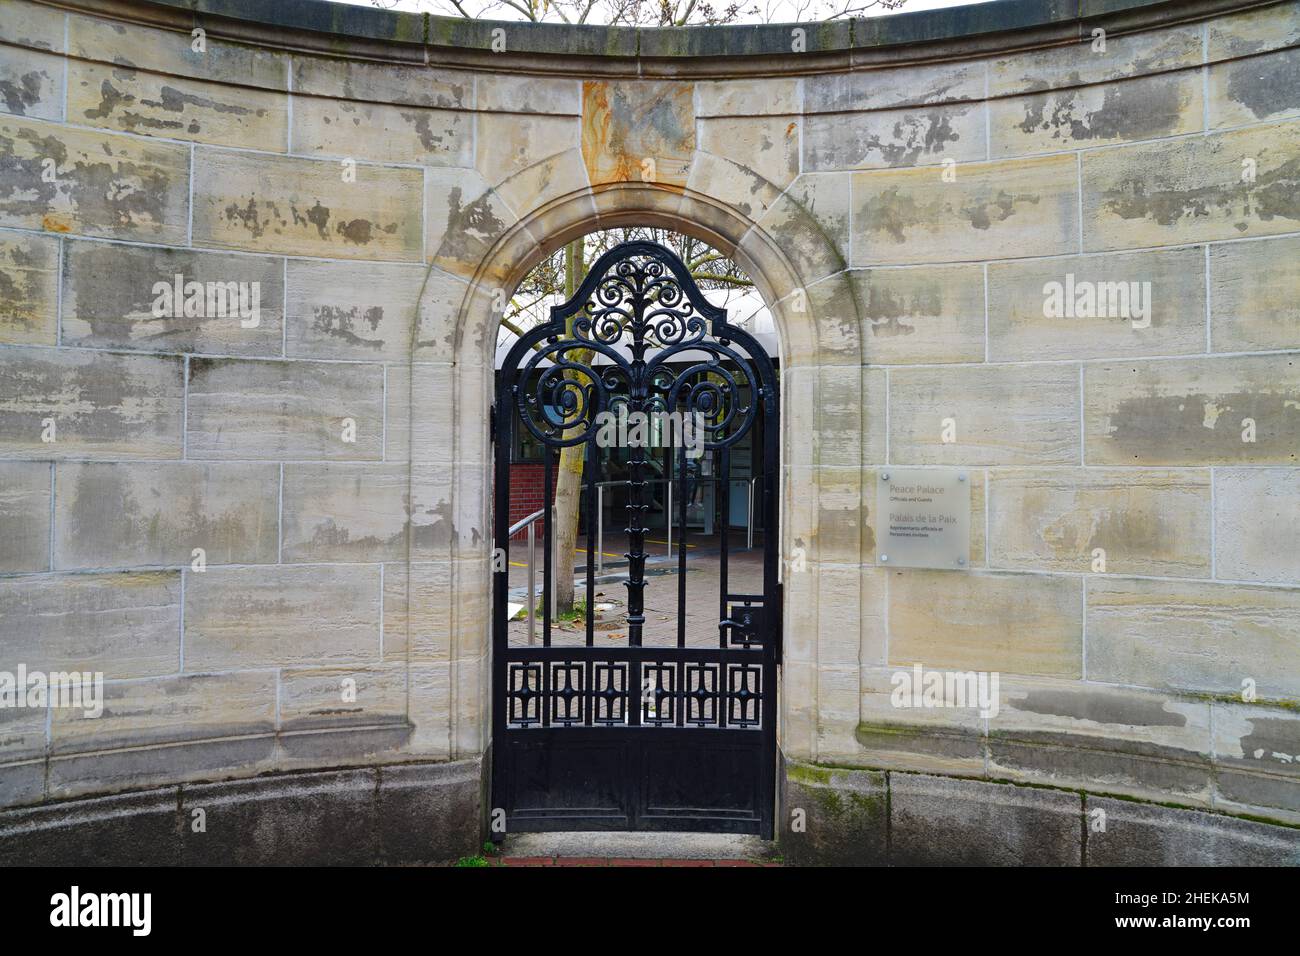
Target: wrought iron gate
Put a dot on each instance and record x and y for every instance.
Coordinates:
(678, 733)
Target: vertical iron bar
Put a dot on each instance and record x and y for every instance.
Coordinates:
(724, 485)
(681, 550)
(548, 547)
(532, 583)
(591, 541)
(600, 528)
(668, 509)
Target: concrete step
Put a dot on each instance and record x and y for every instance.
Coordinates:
(640, 846)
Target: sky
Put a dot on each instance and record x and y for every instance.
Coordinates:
(771, 11)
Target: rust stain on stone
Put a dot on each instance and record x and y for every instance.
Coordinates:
(634, 131)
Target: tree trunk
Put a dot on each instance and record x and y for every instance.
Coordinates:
(568, 483)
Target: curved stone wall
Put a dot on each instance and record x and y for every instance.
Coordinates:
(902, 190)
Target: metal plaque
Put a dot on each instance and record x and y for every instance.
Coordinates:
(923, 518)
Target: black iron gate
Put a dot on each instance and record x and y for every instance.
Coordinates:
(645, 732)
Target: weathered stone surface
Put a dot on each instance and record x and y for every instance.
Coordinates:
(1139, 303)
(1252, 31)
(1016, 623)
(1084, 62)
(741, 188)
(377, 131)
(22, 736)
(508, 144)
(1255, 295)
(117, 406)
(173, 52)
(304, 820)
(881, 89)
(429, 707)
(1257, 753)
(96, 771)
(282, 617)
(119, 514)
(382, 82)
(1144, 522)
(924, 315)
(529, 190)
(103, 184)
(811, 223)
(1194, 636)
(124, 624)
(169, 710)
(24, 517)
(31, 84)
(510, 93)
(341, 310)
(266, 203)
(1094, 737)
(1256, 524)
(29, 289)
(1003, 415)
(640, 131)
(110, 300)
(463, 220)
(1194, 411)
(938, 740)
(252, 409)
(1258, 89)
(844, 816)
(430, 812)
(345, 512)
(323, 698)
(1023, 207)
(755, 97)
(152, 104)
(1192, 189)
(769, 146)
(417, 626)
(1142, 835)
(30, 25)
(1166, 104)
(934, 821)
(921, 136)
(135, 829)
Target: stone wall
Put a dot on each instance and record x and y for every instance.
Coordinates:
(901, 190)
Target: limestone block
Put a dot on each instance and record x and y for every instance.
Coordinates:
(329, 698)
(1194, 636)
(1255, 90)
(304, 616)
(417, 624)
(767, 145)
(1144, 522)
(111, 299)
(1022, 207)
(1085, 62)
(265, 203)
(1256, 524)
(508, 143)
(24, 516)
(382, 82)
(149, 514)
(922, 315)
(996, 414)
(101, 404)
(884, 88)
(517, 93)
(1255, 295)
(1095, 737)
(1012, 623)
(119, 187)
(175, 107)
(359, 310)
(1257, 752)
(382, 132)
(1194, 411)
(1252, 31)
(32, 25)
(121, 624)
(254, 409)
(29, 289)
(464, 219)
(749, 97)
(934, 739)
(810, 222)
(345, 512)
(739, 187)
(1221, 186)
(1152, 107)
(31, 84)
(1139, 303)
(919, 136)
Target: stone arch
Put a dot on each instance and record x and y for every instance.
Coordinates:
(816, 317)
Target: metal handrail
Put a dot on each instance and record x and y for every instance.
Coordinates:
(529, 523)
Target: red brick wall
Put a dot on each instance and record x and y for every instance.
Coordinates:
(527, 485)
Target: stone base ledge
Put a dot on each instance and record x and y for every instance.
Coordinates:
(852, 817)
(393, 814)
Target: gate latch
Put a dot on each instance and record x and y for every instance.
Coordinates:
(746, 624)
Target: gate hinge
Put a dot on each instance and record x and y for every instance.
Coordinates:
(492, 424)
